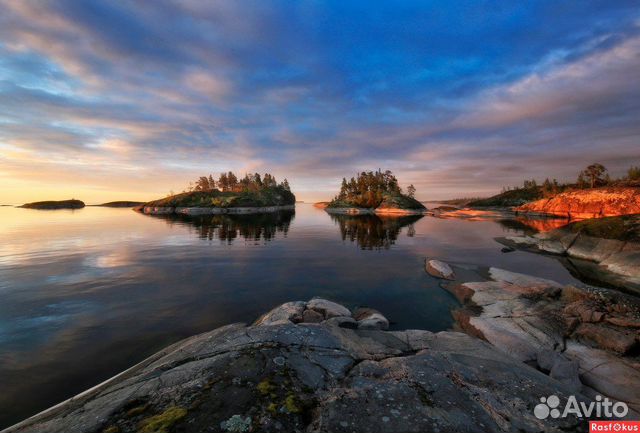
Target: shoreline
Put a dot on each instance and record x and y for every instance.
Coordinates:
(197, 211)
(315, 366)
(368, 211)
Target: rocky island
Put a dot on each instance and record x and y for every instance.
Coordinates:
(227, 195)
(52, 205)
(375, 193)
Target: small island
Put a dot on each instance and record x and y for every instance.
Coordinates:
(375, 192)
(52, 205)
(122, 203)
(226, 195)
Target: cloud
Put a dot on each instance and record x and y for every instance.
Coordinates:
(457, 100)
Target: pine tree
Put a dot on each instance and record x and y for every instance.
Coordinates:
(411, 191)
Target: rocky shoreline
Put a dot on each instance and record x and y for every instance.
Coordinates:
(615, 260)
(587, 203)
(372, 211)
(585, 337)
(196, 211)
(316, 367)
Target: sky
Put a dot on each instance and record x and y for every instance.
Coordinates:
(130, 100)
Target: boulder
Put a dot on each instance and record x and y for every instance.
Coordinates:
(327, 308)
(285, 313)
(439, 269)
(312, 316)
(342, 322)
(368, 318)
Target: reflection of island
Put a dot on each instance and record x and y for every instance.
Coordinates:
(229, 227)
(531, 226)
(373, 231)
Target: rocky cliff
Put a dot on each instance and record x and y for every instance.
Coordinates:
(588, 203)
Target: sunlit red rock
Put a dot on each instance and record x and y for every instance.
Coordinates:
(588, 203)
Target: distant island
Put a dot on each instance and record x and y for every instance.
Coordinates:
(375, 192)
(228, 194)
(49, 205)
(122, 203)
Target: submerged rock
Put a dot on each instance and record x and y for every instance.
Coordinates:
(276, 377)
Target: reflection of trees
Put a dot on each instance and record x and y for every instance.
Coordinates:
(373, 232)
(531, 226)
(229, 227)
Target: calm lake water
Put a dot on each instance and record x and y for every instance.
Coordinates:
(87, 293)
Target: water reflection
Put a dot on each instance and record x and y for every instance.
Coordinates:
(372, 232)
(87, 294)
(531, 226)
(227, 228)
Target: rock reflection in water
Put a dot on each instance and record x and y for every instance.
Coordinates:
(229, 227)
(372, 232)
(531, 226)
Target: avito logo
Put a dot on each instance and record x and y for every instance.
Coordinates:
(602, 407)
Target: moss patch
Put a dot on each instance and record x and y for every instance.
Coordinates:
(266, 387)
(292, 404)
(163, 422)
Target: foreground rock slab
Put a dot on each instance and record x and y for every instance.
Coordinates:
(279, 376)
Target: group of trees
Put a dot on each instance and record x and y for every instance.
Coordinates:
(593, 176)
(596, 175)
(368, 188)
(229, 182)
